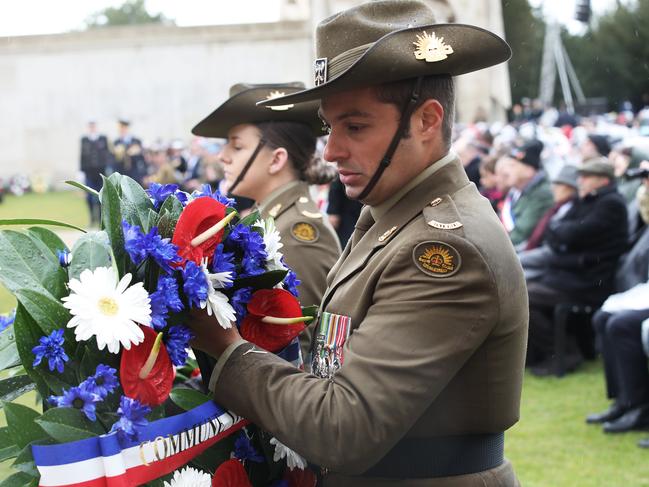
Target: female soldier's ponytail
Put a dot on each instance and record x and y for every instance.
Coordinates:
(300, 144)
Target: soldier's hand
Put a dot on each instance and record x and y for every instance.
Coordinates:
(210, 337)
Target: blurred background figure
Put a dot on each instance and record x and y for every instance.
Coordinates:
(342, 211)
(490, 185)
(128, 153)
(160, 168)
(95, 161)
(594, 146)
(529, 196)
(197, 151)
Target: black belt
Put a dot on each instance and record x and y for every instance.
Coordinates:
(441, 456)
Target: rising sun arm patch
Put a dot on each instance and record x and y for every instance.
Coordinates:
(437, 259)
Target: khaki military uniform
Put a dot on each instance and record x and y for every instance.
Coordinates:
(310, 244)
(438, 310)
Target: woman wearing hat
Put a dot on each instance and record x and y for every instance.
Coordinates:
(270, 157)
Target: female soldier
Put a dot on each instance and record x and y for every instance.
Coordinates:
(269, 157)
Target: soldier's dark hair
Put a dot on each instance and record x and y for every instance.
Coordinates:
(439, 87)
(300, 144)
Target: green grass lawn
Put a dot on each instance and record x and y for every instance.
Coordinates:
(551, 446)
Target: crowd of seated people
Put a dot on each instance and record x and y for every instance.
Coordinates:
(575, 202)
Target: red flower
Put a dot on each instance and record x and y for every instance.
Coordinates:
(230, 474)
(198, 217)
(145, 371)
(300, 478)
(274, 318)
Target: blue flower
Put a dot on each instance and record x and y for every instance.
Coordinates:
(140, 246)
(103, 382)
(182, 197)
(79, 398)
(167, 285)
(160, 192)
(291, 282)
(195, 284)
(51, 348)
(165, 298)
(7, 320)
(249, 246)
(240, 300)
(223, 261)
(132, 419)
(134, 242)
(177, 342)
(206, 190)
(243, 449)
(64, 257)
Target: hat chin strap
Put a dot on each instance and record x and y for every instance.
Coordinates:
(406, 113)
(245, 169)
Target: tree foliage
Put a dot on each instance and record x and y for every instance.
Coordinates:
(524, 31)
(131, 12)
(612, 58)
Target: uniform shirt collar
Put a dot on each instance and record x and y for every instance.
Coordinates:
(381, 209)
(270, 199)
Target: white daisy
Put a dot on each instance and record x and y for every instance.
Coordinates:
(293, 460)
(272, 241)
(102, 306)
(219, 280)
(189, 477)
(217, 303)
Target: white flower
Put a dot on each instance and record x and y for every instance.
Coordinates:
(272, 241)
(189, 477)
(217, 303)
(103, 307)
(218, 280)
(293, 460)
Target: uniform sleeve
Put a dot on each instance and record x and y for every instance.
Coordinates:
(415, 337)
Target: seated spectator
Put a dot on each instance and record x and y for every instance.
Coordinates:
(489, 183)
(530, 196)
(622, 159)
(585, 246)
(564, 192)
(471, 152)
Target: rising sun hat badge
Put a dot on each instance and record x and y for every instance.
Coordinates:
(279, 108)
(431, 48)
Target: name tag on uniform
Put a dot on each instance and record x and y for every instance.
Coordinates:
(332, 333)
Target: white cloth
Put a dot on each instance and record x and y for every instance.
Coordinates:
(636, 298)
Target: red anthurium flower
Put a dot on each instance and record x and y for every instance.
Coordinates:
(300, 478)
(230, 474)
(274, 318)
(200, 229)
(145, 371)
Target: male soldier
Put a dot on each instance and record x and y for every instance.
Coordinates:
(95, 159)
(421, 338)
(129, 159)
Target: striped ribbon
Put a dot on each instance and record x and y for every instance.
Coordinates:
(332, 334)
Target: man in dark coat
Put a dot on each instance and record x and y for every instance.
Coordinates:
(586, 245)
(95, 159)
(129, 157)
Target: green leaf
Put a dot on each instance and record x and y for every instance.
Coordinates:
(68, 424)
(8, 351)
(8, 448)
(169, 213)
(15, 387)
(25, 461)
(188, 398)
(111, 218)
(310, 311)
(47, 312)
(250, 219)
(27, 334)
(38, 221)
(21, 424)
(49, 238)
(19, 479)
(83, 187)
(25, 264)
(263, 281)
(89, 252)
(135, 203)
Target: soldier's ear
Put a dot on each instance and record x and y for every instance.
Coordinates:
(428, 118)
(279, 160)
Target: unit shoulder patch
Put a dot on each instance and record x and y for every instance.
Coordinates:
(305, 232)
(437, 259)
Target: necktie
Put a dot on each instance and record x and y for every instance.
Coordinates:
(363, 224)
